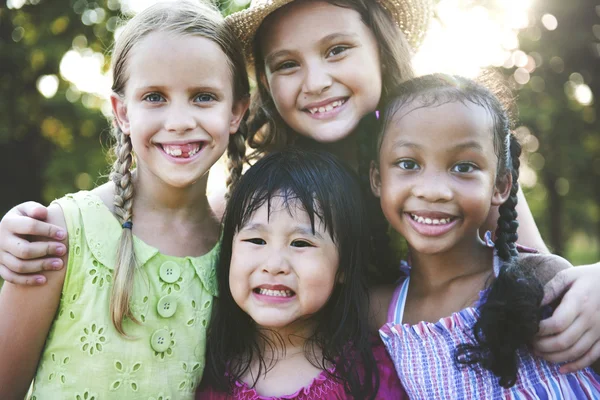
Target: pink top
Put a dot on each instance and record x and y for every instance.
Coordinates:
(323, 387)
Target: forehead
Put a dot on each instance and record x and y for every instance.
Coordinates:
(165, 58)
(444, 124)
(302, 23)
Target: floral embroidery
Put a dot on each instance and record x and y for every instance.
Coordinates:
(66, 306)
(170, 287)
(93, 339)
(126, 376)
(140, 308)
(100, 274)
(199, 313)
(58, 368)
(86, 395)
(192, 374)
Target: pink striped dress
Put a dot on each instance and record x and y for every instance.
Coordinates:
(423, 357)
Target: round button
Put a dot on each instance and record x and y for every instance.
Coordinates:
(160, 340)
(166, 307)
(169, 272)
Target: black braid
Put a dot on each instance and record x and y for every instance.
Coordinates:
(510, 316)
(506, 233)
(382, 269)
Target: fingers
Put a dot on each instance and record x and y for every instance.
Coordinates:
(558, 285)
(24, 225)
(562, 318)
(569, 345)
(19, 266)
(31, 280)
(32, 209)
(21, 248)
(583, 362)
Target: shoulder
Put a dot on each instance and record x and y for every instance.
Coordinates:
(543, 266)
(106, 193)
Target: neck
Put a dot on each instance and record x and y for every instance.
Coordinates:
(287, 342)
(177, 221)
(431, 273)
(345, 149)
(188, 202)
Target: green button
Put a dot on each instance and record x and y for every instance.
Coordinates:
(170, 272)
(166, 307)
(160, 340)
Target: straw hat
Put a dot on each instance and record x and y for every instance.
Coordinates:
(411, 16)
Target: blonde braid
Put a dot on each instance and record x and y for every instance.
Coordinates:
(236, 156)
(123, 201)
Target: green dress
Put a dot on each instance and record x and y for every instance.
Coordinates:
(85, 358)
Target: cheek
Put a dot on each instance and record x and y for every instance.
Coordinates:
(282, 92)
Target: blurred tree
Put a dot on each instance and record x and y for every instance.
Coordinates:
(48, 143)
(558, 84)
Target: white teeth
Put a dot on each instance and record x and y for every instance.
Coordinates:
(173, 151)
(176, 151)
(430, 221)
(275, 293)
(327, 108)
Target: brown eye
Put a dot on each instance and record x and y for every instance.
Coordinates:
(257, 241)
(301, 243)
(408, 165)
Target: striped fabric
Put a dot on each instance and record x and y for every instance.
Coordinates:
(423, 357)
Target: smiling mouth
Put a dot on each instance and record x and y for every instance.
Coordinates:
(182, 150)
(329, 107)
(274, 293)
(431, 221)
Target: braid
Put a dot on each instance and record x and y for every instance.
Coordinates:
(510, 316)
(125, 263)
(121, 177)
(506, 233)
(381, 268)
(236, 152)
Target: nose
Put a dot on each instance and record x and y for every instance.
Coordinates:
(433, 187)
(179, 118)
(316, 79)
(277, 263)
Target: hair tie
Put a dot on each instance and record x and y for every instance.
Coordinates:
(127, 225)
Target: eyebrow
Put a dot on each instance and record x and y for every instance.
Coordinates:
(300, 229)
(470, 145)
(329, 38)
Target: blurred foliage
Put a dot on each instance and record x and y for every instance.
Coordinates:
(51, 146)
(561, 133)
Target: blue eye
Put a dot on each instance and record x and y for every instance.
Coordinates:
(154, 98)
(408, 165)
(204, 98)
(464, 168)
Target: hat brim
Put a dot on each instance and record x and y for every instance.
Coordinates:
(411, 16)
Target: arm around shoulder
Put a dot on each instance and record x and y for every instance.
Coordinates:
(27, 315)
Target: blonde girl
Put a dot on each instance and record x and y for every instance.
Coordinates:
(127, 318)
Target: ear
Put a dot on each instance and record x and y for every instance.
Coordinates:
(502, 189)
(375, 180)
(120, 112)
(237, 113)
